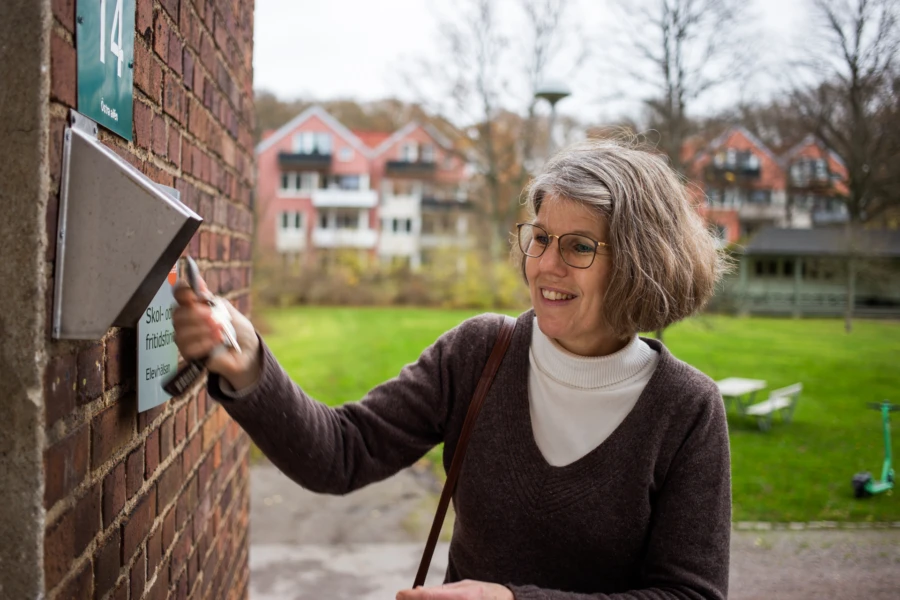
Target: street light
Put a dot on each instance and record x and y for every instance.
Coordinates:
(552, 91)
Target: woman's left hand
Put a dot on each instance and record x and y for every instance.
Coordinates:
(462, 590)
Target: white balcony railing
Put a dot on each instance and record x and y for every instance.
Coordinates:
(290, 240)
(344, 198)
(344, 238)
(767, 212)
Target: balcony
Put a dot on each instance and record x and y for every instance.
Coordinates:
(300, 160)
(402, 168)
(337, 198)
(432, 203)
(290, 240)
(761, 212)
(344, 238)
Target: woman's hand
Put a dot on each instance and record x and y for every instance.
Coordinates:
(462, 590)
(197, 334)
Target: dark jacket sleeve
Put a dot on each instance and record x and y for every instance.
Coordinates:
(688, 546)
(338, 450)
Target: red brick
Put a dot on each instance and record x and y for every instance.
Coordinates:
(166, 432)
(159, 136)
(191, 417)
(159, 589)
(59, 549)
(121, 592)
(175, 59)
(168, 531)
(142, 60)
(64, 11)
(174, 152)
(154, 551)
(174, 98)
(169, 484)
(121, 358)
(113, 494)
(65, 464)
(63, 66)
(81, 587)
(138, 575)
(144, 19)
(161, 33)
(186, 504)
(143, 117)
(181, 552)
(221, 33)
(136, 527)
(87, 519)
(148, 417)
(186, 154)
(151, 454)
(171, 7)
(90, 373)
(107, 563)
(156, 81)
(188, 69)
(181, 424)
(59, 387)
(134, 472)
(204, 243)
(112, 429)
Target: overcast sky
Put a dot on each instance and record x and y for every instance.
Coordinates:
(320, 50)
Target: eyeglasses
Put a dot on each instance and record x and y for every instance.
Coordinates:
(576, 250)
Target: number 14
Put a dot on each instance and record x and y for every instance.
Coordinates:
(115, 35)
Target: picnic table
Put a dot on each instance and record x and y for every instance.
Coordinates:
(742, 391)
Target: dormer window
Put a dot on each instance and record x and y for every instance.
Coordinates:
(428, 153)
(409, 152)
(311, 142)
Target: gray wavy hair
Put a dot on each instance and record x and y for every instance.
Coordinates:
(665, 262)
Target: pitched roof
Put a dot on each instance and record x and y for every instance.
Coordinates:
(719, 141)
(825, 242)
(404, 131)
(372, 138)
(314, 111)
(811, 139)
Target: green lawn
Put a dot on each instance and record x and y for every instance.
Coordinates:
(797, 472)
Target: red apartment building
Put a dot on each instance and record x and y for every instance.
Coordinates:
(747, 187)
(392, 195)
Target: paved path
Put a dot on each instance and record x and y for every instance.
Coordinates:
(366, 546)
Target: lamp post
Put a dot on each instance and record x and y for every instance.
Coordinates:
(552, 90)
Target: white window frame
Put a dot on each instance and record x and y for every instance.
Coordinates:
(427, 153)
(409, 152)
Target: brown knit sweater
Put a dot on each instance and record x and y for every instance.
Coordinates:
(646, 514)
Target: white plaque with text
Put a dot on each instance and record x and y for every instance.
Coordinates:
(157, 355)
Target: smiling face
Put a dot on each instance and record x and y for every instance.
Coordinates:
(568, 302)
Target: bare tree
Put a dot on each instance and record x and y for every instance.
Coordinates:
(681, 50)
(487, 82)
(852, 61)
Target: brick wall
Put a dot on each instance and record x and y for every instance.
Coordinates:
(155, 505)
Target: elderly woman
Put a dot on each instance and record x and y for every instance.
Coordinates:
(599, 466)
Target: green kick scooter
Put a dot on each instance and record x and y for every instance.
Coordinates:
(863, 484)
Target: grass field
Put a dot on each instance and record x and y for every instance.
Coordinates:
(797, 472)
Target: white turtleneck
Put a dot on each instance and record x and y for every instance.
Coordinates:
(577, 401)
